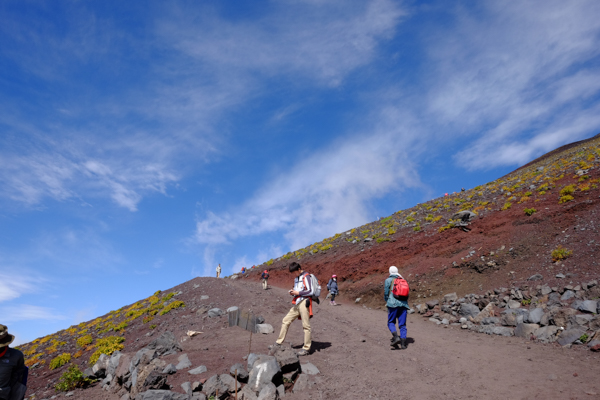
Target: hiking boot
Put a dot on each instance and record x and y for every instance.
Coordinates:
(403, 343)
(395, 339)
(334, 303)
(331, 303)
(303, 352)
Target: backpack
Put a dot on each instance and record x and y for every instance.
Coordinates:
(400, 288)
(316, 288)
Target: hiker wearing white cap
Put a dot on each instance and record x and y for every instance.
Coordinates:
(219, 271)
(397, 307)
(13, 373)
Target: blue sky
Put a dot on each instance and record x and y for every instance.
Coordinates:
(142, 143)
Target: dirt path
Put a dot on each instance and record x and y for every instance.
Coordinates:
(353, 355)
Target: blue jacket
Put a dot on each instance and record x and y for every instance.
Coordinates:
(389, 298)
(332, 286)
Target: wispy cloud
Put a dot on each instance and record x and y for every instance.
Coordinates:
(514, 75)
(327, 192)
(25, 312)
(14, 285)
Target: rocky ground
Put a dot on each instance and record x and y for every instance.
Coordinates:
(353, 357)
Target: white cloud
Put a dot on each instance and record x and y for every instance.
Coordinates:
(24, 312)
(14, 285)
(325, 193)
(515, 75)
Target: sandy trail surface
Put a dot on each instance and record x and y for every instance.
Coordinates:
(351, 350)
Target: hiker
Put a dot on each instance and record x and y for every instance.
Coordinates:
(13, 372)
(264, 276)
(243, 270)
(219, 271)
(397, 310)
(301, 307)
(333, 289)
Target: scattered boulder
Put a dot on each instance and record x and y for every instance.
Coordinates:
(240, 370)
(589, 306)
(184, 362)
(265, 370)
(215, 312)
(287, 359)
(247, 394)
(525, 330)
(487, 312)
(568, 294)
(222, 384)
(198, 370)
(165, 344)
(569, 336)
(161, 395)
(450, 297)
(546, 334)
(469, 310)
(310, 369)
(535, 315)
(536, 277)
(432, 303)
(268, 392)
(302, 384)
(513, 304)
(155, 380)
(264, 329)
(169, 369)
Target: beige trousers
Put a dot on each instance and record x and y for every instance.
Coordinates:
(264, 283)
(218, 274)
(295, 312)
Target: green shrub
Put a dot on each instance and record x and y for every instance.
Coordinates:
(529, 211)
(565, 198)
(59, 361)
(507, 205)
(567, 190)
(270, 262)
(379, 240)
(71, 379)
(583, 338)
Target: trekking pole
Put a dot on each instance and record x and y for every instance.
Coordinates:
(236, 384)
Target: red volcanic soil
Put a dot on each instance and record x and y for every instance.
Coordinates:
(502, 248)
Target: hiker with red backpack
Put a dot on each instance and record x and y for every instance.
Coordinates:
(396, 299)
(306, 288)
(265, 277)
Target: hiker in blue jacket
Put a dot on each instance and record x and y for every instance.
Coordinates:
(332, 286)
(397, 310)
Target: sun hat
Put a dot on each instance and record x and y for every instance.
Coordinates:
(334, 276)
(5, 337)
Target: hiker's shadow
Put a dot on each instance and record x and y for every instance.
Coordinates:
(316, 346)
(409, 340)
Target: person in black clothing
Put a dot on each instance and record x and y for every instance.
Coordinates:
(12, 368)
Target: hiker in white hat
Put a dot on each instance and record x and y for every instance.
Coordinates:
(13, 373)
(397, 306)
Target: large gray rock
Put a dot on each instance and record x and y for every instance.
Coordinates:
(546, 334)
(546, 290)
(595, 323)
(99, 369)
(570, 335)
(287, 359)
(240, 370)
(169, 369)
(589, 306)
(468, 310)
(535, 315)
(215, 312)
(512, 304)
(113, 363)
(302, 383)
(490, 321)
(247, 394)
(155, 380)
(161, 395)
(165, 344)
(536, 277)
(222, 384)
(582, 319)
(184, 362)
(567, 295)
(264, 329)
(450, 297)
(268, 392)
(198, 370)
(561, 316)
(310, 369)
(525, 330)
(432, 303)
(265, 370)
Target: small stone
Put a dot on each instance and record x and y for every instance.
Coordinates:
(197, 370)
(184, 362)
(536, 277)
(560, 276)
(309, 369)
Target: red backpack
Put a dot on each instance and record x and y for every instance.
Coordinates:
(400, 288)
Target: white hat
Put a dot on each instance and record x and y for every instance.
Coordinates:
(393, 270)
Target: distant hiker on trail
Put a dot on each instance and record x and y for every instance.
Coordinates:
(219, 271)
(332, 286)
(13, 372)
(302, 307)
(243, 270)
(397, 310)
(265, 277)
